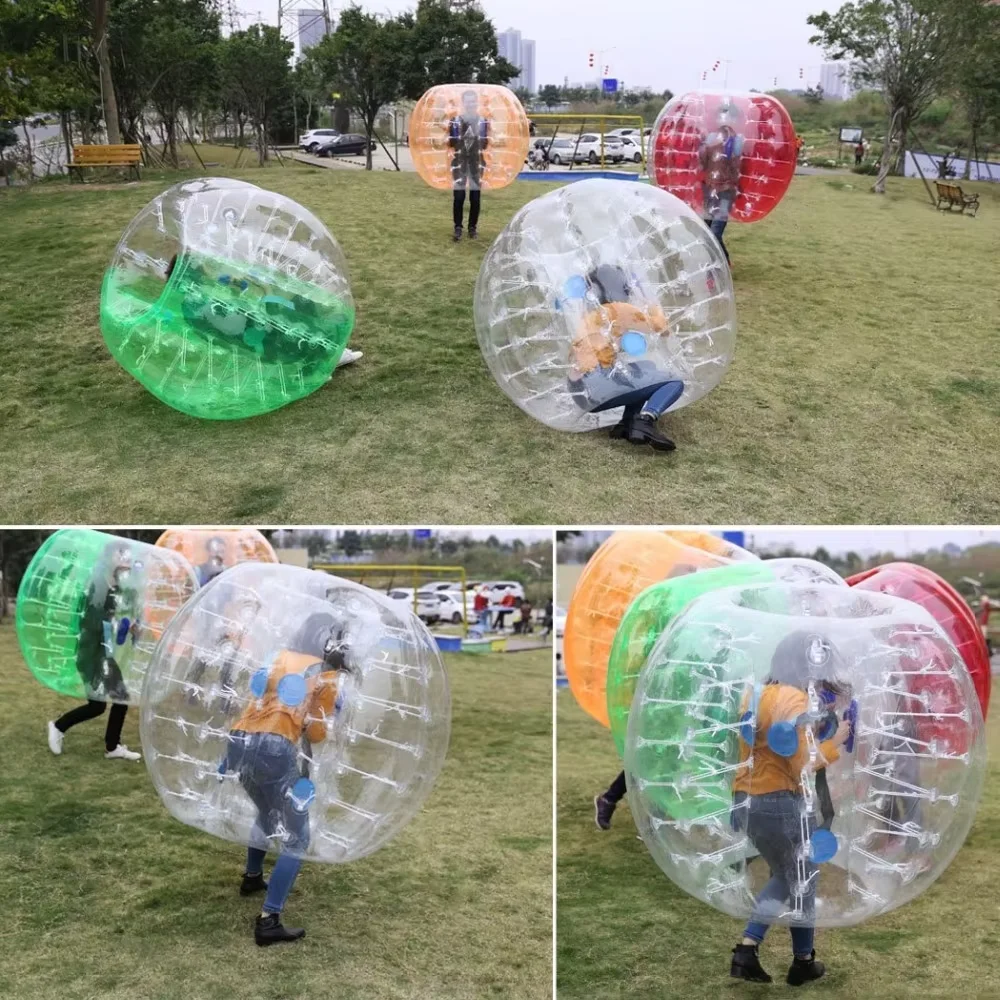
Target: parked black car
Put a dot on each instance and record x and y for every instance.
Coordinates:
(343, 145)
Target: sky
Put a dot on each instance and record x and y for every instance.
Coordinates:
(654, 43)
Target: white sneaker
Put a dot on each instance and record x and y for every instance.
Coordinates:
(122, 752)
(55, 739)
(349, 357)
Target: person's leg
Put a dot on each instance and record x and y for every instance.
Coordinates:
(286, 868)
(474, 199)
(457, 208)
(77, 715)
(606, 803)
(718, 227)
(113, 732)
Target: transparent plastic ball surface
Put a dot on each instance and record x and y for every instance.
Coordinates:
(727, 155)
(468, 135)
(294, 711)
(596, 295)
(226, 300)
(92, 607)
(212, 550)
(625, 565)
(804, 754)
(656, 608)
(946, 606)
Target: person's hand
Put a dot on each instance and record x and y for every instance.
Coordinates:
(840, 736)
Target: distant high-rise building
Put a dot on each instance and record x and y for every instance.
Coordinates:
(528, 65)
(521, 53)
(311, 28)
(835, 79)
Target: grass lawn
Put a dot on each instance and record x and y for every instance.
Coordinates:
(864, 389)
(625, 930)
(106, 896)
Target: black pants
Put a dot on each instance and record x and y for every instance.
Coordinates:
(116, 719)
(501, 618)
(616, 791)
(459, 205)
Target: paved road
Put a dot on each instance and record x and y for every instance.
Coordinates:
(380, 161)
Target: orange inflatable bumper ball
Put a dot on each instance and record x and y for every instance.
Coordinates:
(468, 135)
(624, 566)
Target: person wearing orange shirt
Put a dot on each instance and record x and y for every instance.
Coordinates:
(609, 364)
(507, 604)
(786, 749)
(294, 703)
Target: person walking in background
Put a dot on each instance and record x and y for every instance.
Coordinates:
(507, 604)
(525, 622)
(468, 137)
(548, 620)
(481, 608)
(985, 607)
(721, 160)
(105, 626)
(859, 153)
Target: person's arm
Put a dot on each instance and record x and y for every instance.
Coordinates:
(454, 132)
(790, 707)
(320, 709)
(626, 316)
(484, 133)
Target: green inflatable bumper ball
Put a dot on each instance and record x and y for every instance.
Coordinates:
(647, 618)
(226, 300)
(92, 607)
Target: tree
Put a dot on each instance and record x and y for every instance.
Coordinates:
(309, 85)
(451, 43)
(99, 9)
(550, 95)
(365, 61)
(901, 47)
(255, 67)
(350, 543)
(813, 95)
(977, 57)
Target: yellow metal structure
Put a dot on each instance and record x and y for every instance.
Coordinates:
(562, 122)
(410, 571)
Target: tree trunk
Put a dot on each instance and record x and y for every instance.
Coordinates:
(67, 136)
(31, 152)
(110, 104)
(973, 139)
(295, 118)
(261, 145)
(887, 154)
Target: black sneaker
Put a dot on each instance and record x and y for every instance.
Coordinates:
(252, 884)
(604, 809)
(746, 965)
(645, 431)
(621, 429)
(804, 970)
(270, 930)
(473, 233)
(458, 234)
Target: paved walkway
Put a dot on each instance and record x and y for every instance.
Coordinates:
(379, 160)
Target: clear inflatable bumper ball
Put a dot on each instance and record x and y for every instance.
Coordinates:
(626, 564)
(226, 300)
(601, 296)
(294, 711)
(656, 608)
(91, 609)
(741, 788)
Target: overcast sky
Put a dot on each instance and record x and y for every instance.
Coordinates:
(654, 43)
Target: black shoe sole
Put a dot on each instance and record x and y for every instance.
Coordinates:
(597, 816)
(749, 979)
(244, 891)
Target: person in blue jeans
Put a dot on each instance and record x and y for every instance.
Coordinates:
(294, 701)
(769, 806)
(721, 161)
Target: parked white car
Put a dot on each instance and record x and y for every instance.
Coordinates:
(311, 141)
(632, 149)
(451, 606)
(588, 150)
(428, 605)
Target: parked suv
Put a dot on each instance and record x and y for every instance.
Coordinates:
(310, 141)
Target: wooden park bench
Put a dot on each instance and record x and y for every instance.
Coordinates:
(128, 156)
(952, 196)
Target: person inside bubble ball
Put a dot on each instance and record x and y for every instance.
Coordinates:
(260, 325)
(270, 749)
(608, 363)
(215, 561)
(106, 625)
(721, 161)
(468, 137)
(781, 731)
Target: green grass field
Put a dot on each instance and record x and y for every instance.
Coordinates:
(625, 930)
(864, 387)
(106, 897)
